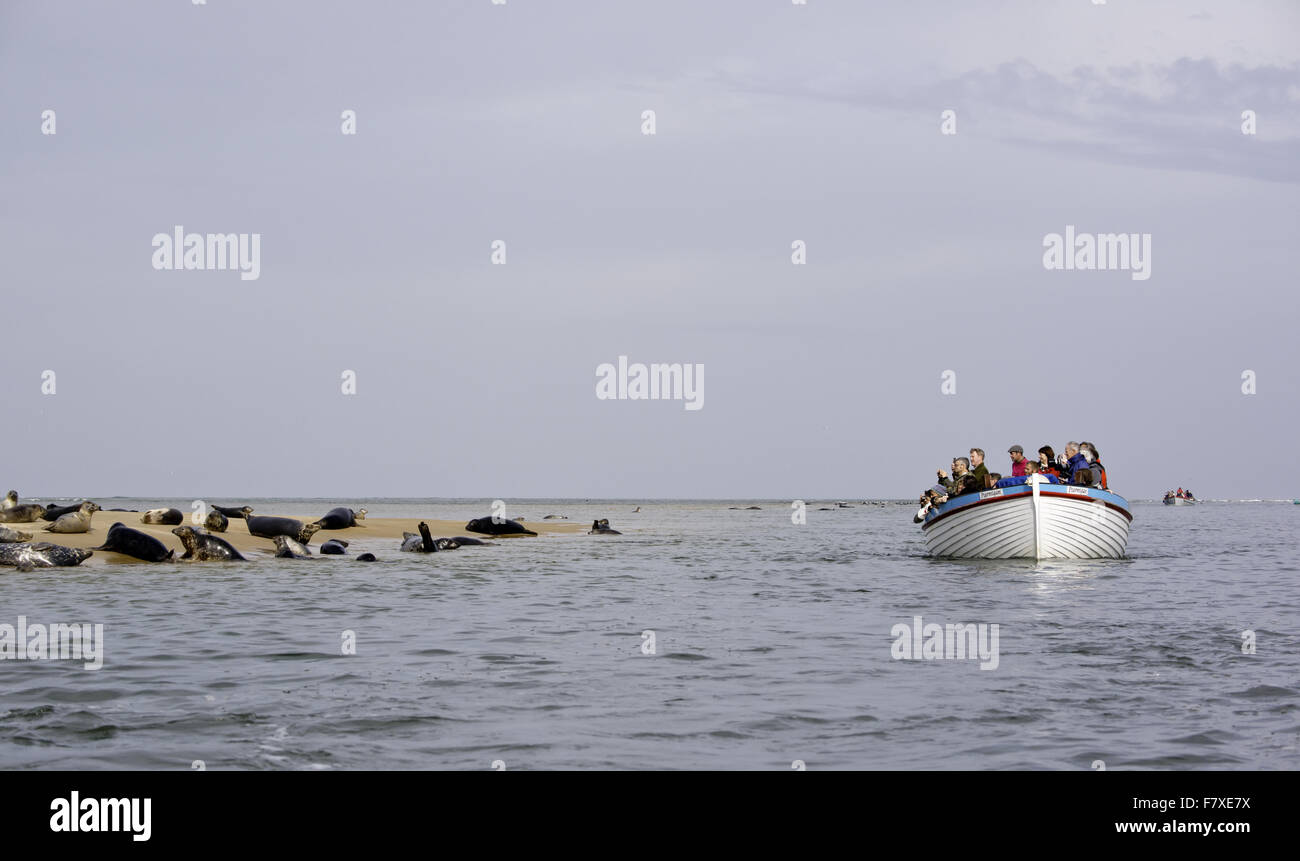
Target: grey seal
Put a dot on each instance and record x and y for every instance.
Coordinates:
(136, 544)
(269, 527)
(341, 518)
(500, 526)
(202, 547)
(601, 527)
(163, 516)
(216, 521)
(287, 548)
(28, 513)
(334, 547)
(26, 557)
(13, 536)
(77, 521)
(233, 513)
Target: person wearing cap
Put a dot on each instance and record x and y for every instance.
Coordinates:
(1017, 461)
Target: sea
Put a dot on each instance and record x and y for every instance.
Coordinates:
(711, 634)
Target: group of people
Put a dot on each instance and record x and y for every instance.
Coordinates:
(1079, 465)
(1181, 494)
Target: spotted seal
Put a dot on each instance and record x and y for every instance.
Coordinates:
(26, 557)
(287, 548)
(202, 547)
(233, 513)
(216, 521)
(601, 527)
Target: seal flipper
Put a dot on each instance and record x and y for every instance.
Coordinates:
(429, 546)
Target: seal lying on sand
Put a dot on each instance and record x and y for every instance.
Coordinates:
(163, 516)
(77, 521)
(334, 547)
(601, 527)
(287, 548)
(269, 527)
(54, 513)
(216, 521)
(42, 555)
(136, 544)
(13, 536)
(556, 517)
(486, 526)
(341, 518)
(202, 547)
(29, 513)
(233, 513)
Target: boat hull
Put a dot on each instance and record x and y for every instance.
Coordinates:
(1178, 500)
(1049, 521)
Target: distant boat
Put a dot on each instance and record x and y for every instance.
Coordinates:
(1179, 500)
(1030, 521)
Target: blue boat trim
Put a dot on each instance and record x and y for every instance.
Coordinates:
(1002, 494)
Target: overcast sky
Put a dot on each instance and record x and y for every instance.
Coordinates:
(523, 122)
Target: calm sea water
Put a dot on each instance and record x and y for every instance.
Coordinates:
(772, 644)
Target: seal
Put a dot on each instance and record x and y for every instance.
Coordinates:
(26, 557)
(11, 499)
(54, 513)
(500, 526)
(163, 516)
(424, 542)
(269, 527)
(233, 513)
(216, 521)
(556, 517)
(334, 547)
(367, 557)
(202, 547)
(341, 518)
(136, 544)
(463, 540)
(29, 513)
(601, 527)
(13, 536)
(287, 548)
(77, 521)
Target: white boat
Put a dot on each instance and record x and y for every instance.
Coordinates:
(1179, 500)
(1038, 520)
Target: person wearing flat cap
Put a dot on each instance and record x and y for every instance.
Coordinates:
(1017, 460)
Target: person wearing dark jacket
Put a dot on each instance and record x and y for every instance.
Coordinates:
(978, 469)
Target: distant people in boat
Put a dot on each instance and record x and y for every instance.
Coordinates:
(1017, 460)
(1189, 495)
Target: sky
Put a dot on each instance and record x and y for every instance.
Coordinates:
(524, 123)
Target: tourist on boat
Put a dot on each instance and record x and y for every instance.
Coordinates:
(1180, 494)
(977, 467)
(1074, 461)
(1081, 477)
(1047, 462)
(1031, 469)
(1098, 470)
(1017, 460)
(960, 468)
(991, 480)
